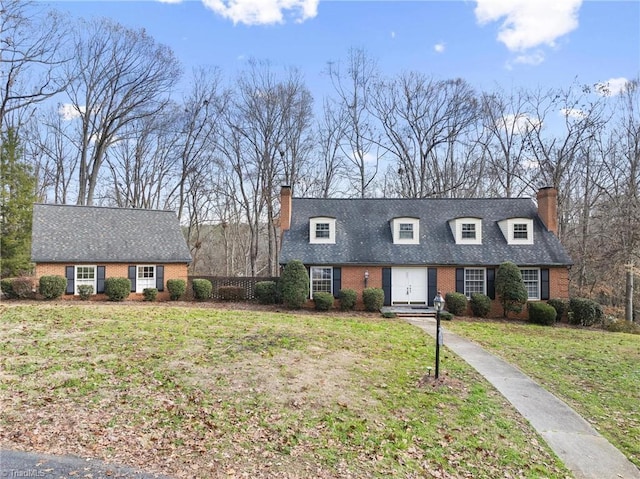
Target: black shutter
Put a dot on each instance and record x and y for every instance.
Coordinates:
(100, 279)
(160, 277)
(132, 278)
(432, 285)
(460, 280)
(386, 285)
(491, 283)
(544, 283)
(337, 282)
(70, 273)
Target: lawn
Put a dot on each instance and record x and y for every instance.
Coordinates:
(596, 372)
(205, 392)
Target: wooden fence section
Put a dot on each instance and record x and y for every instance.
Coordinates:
(248, 284)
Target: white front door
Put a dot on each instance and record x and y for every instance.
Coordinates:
(409, 285)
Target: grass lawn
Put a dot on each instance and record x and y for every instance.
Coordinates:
(595, 372)
(205, 392)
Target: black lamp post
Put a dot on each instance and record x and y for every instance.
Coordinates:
(438, 303)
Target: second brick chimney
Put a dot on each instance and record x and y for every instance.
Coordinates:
(285, 208)
(548, 208)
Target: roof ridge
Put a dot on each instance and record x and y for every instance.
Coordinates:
(119, 208)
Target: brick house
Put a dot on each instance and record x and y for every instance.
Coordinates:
(411, 248)
(87, 244)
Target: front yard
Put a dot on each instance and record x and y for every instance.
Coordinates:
(204, 392)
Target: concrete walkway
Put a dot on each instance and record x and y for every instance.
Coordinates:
(582, 449)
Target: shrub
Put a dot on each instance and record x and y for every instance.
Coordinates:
(560, 305)
(446, 315)
(456, 303)
(348, 298)
(622, 326)
(324, 301)
(585, 312)
(294, 284)
(231, 293)
(17, 288)
(541, 313)
(373, 298)
(6, 285)
(202, 289)
(85, 291)
(389, 315)
(510, 288)
(266, 292)
(52, 287)
(150, 294)
(176, 287)
(117, 289)
(480, 304)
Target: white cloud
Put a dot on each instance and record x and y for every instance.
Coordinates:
(263, 12)
(170, 1)
(613, 86)
(529, 23)
(439, 47)
(68, 112)
(393, 34)
(533, 58)
(520, 124)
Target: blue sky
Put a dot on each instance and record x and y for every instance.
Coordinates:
(510, 43)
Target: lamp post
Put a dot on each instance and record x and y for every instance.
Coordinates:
(438, 303)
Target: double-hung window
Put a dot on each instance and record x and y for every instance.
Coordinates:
(474, 281)
(321, 279)
(405, 231)
(85, 275)
(520, 231)
(531, 280)
(468, 231)
(323, 231)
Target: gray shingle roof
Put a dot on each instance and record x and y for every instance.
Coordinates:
(363, 233)
(89, 234)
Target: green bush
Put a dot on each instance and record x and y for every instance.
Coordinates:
(560, 305)
(456, 303)
(373, 298)
(266, 292)
(541, 313)
(52, 287)
(6, 287)
(348, 298)
(177, 288)
(17, 288)
(294, 284)
(510, 288)
(585, 312)
(323, 301)
(150, 294)
(85, 291)
(622, 326)
(231, 293)
(480, 304)
(117, 289)
(446, 315)
(202, 289)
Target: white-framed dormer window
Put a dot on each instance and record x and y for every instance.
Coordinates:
(466, 230)
(531, 280)
(146, 277)
(85, 275)
(405, 230)
(517, 230)
(322, 229)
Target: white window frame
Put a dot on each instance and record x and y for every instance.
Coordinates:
(145, 282)
(405, 231)
(530, 284)
(467, 291)
(508, 230)
(322, 220)
(81, 281)
(457, 224)
(321, 271)
(397, 223)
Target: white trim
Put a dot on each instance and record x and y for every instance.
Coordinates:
(148, 282)
(456, 225)
(538, 283)
(311, 279)
(91, 282)
(320, 220)
(484, 281)
(395, 230)
(507, 227)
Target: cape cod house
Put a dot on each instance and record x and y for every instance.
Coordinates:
(87, 244)
(411, 248)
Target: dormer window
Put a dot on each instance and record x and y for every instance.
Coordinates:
(405, 230)
(520, 231)
(322, 229)
(466, 230)
(517, 230)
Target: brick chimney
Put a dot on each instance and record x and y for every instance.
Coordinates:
(548, 208)
(285, 208)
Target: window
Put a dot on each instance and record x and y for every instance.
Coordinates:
(520, 231)
(468, 231)
(323, 230)
(406, 231)
(321, 279)
(85, 275)
(474, 281)
(146, 278)
(531, 279)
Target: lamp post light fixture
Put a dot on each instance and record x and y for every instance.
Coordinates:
(438, 303)
(366, 277)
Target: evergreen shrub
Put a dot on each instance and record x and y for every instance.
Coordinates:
(456, 303)
(266, 292)
(585, 312)
(294, 283)
(85, 291)
(52, 287)
(323, 300)
(117, 289)
(541, 313)
(373, 298)
(231, 293)
(177, 287)
(480, 304)
(202, 289)
(560, 305)
(150, 294)
(348, 298)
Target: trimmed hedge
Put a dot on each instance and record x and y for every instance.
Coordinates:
(456, 303)
(541, 313)
(560, 305)
(323, 301)
(480, 304)
(17, 288)
(52, 287)
(85, 291)
(585, 312)
(446, 315)
(266, 292)
(348, 298)
(202, 289)
(177, 288)
(231, 293)
(117, 289)
(294, 283)
(373, 298)
(150, 294)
